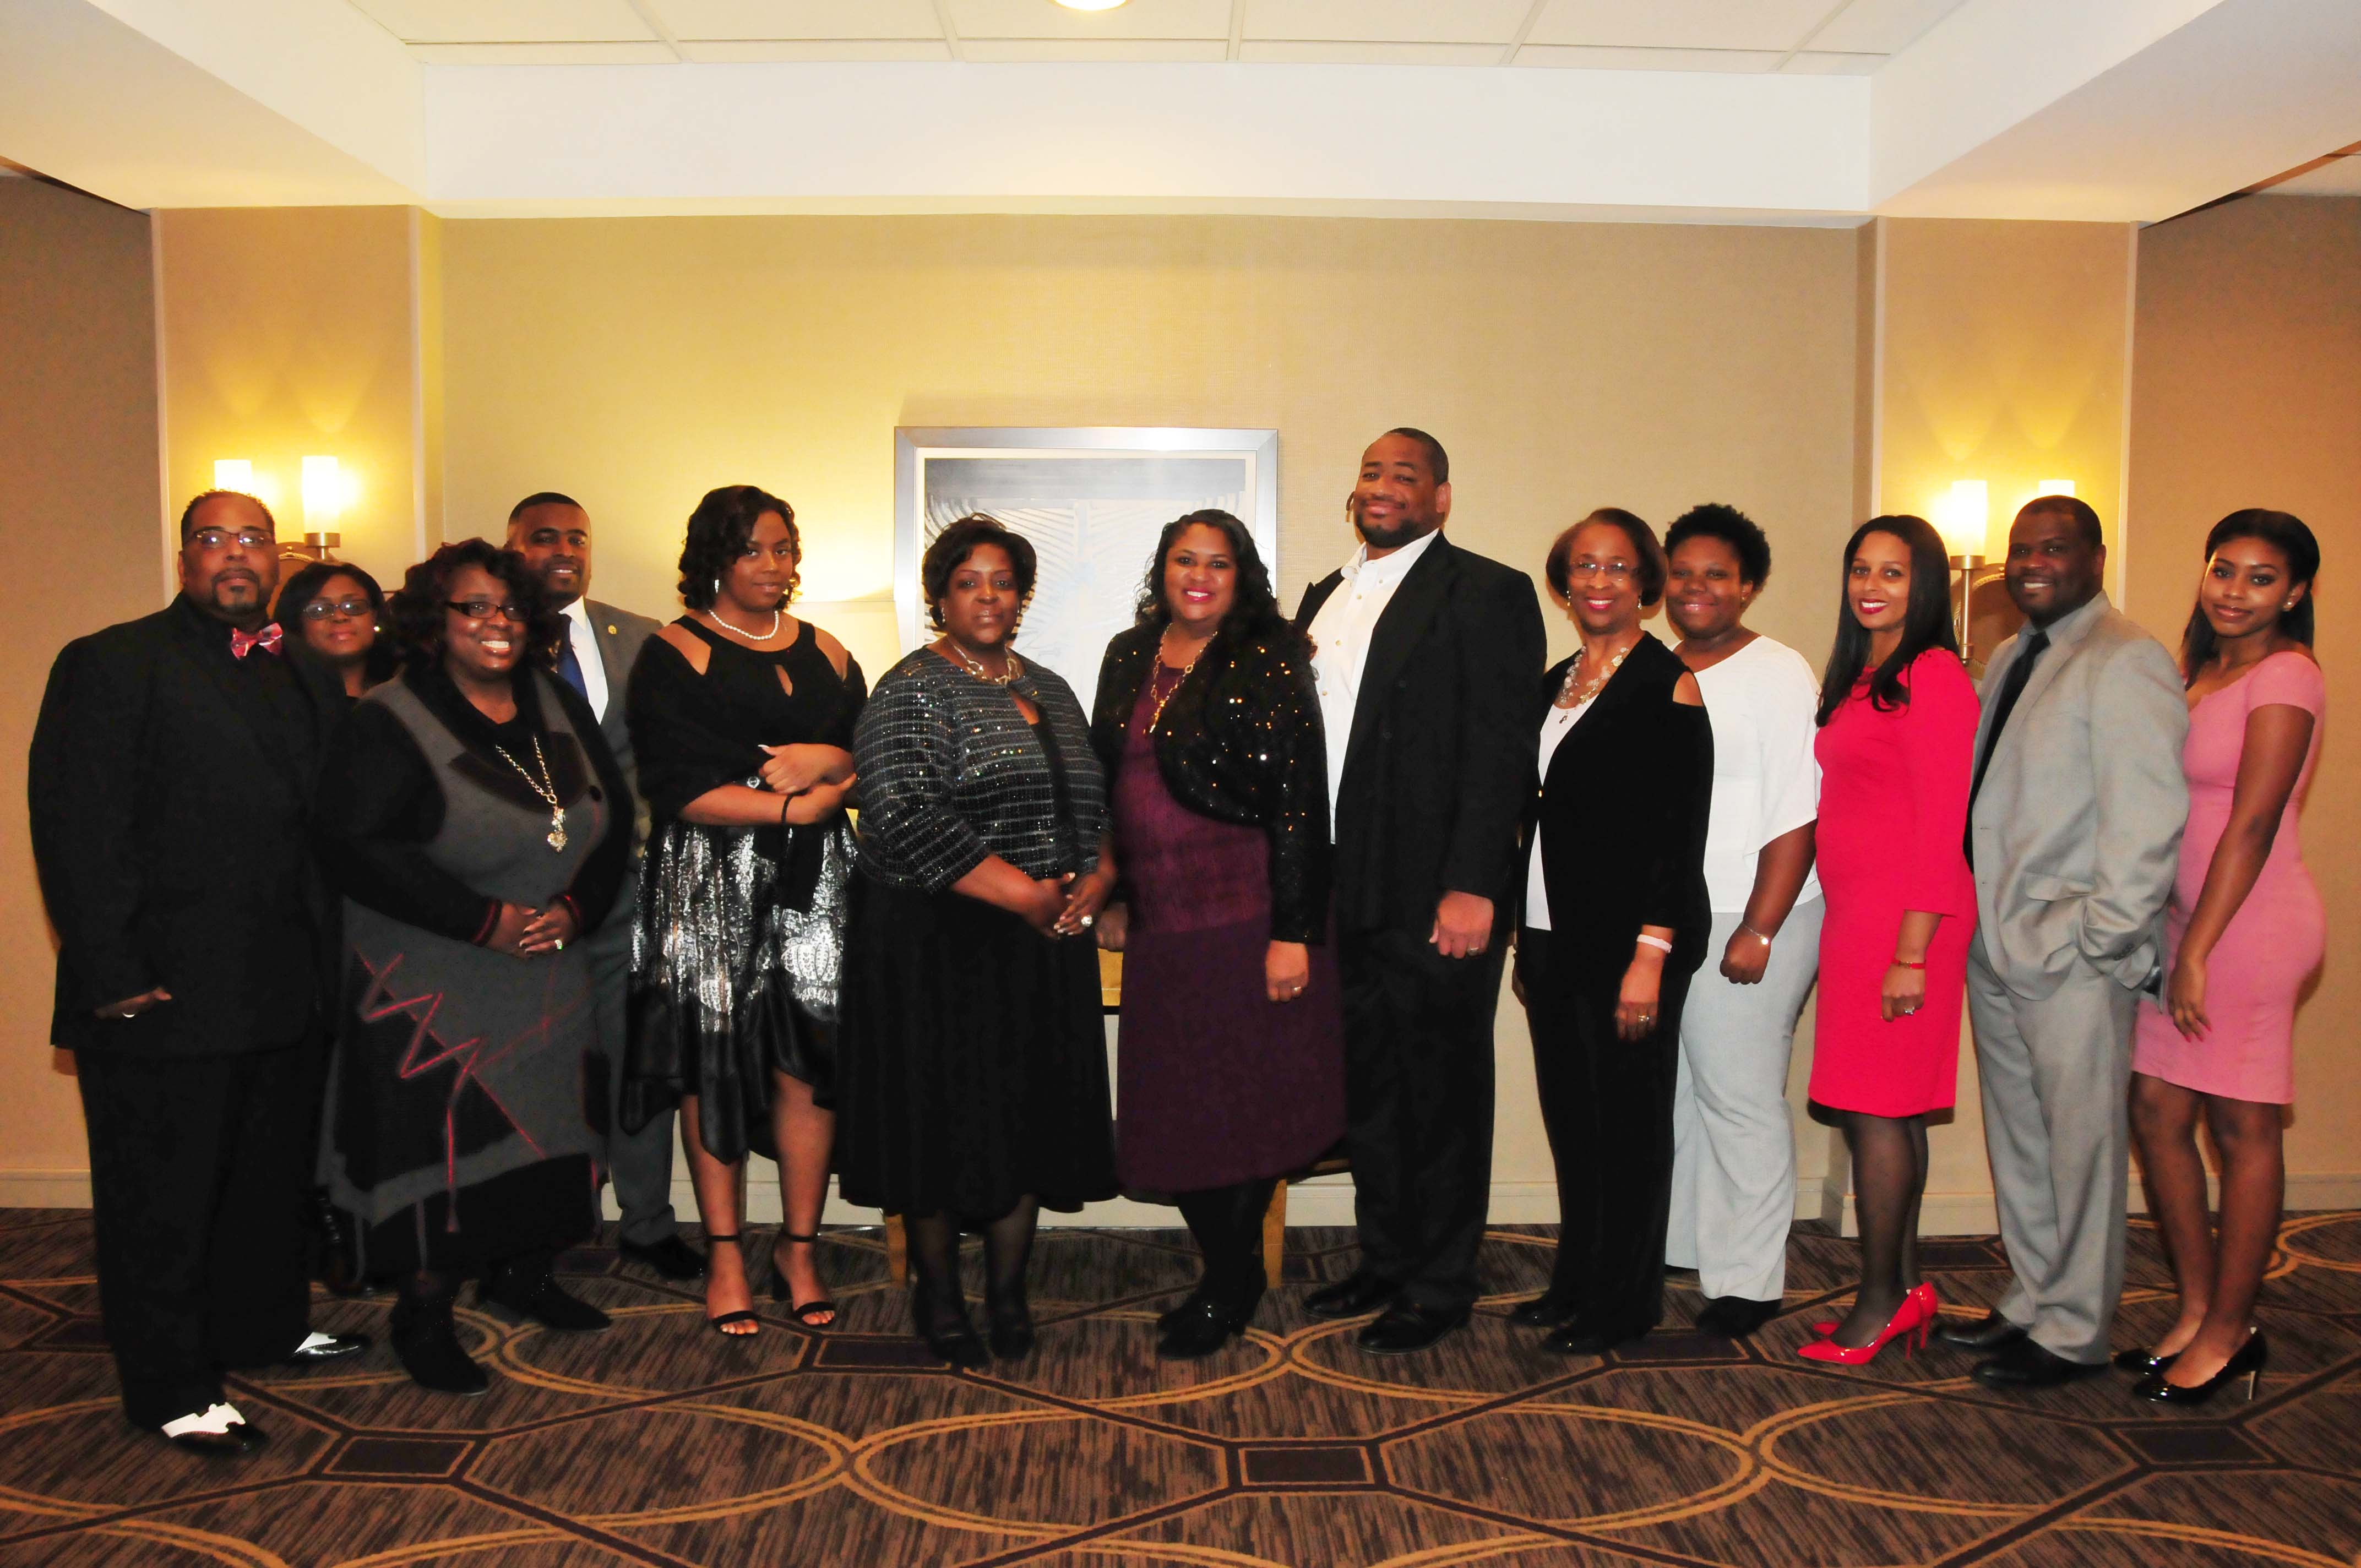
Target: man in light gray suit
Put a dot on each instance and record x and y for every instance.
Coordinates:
(553, 533)
(2074, 832)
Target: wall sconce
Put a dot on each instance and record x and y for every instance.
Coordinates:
(234, 474)
(324, 493)
(1964, 519)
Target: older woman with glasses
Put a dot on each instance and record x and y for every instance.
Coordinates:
(1615, 921)
(333, 611)
(475, 823)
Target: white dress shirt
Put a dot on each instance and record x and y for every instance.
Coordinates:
(586, 654)
(1339, 644)
(1556, 725)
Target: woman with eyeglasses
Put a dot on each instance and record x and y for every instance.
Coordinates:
(475, 821)
(1616, 920)
(331, 611)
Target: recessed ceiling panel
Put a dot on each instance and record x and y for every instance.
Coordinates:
(1568, 58)
(1883, 27)
(798, 19)
(1047, 19)
(1386, 21)
(507, 21)
(1680, 24)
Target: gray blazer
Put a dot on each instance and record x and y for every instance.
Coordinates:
(620, 635)
(2077, 829)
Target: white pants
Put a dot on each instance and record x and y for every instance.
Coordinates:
(1733, 1136)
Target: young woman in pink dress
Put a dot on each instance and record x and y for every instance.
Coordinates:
(2245, 929)
(1896, 747)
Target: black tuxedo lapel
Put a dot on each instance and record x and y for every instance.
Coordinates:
(1395, 638)
(1313, 597)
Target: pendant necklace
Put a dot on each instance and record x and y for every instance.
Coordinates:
(1158, 714)
(543, 786)
(975, 666)
(714, 615)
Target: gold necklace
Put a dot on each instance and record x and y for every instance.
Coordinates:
(1569, 696)
(1155, 715)
(543, 786)
(1016, 666)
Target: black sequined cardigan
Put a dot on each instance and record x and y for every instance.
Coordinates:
(1240, 741)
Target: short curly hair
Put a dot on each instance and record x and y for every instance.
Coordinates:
(718, 531)
(1648, 570)
(414, 612)
(954, 544)
(1732, 526)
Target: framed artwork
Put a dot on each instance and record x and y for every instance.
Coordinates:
(1091, 501)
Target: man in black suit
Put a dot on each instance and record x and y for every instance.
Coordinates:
(552, 531)
(171, 785)
(1425, 655)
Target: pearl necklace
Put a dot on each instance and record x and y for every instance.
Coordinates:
(715, 617)
(1570, 695)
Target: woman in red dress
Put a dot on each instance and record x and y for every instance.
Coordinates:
(1895, 748)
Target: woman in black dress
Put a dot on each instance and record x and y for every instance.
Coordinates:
(1231, 1067)
(477, 827)
(973, 1068)
(1616, 920)
(742, 721)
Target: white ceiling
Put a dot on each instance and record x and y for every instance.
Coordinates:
(1796, 37)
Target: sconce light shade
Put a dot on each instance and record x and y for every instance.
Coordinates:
(234, 474)
(324, 491)
(2053, 488)
(1964, 519)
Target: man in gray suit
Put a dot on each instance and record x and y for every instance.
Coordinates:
(2074, 831)
(553, 533)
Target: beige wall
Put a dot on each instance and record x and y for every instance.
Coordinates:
(635, 363)
(2247, 392)
(78, 465)
(292, 332)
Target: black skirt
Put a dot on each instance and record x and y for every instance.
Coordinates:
(972, 1061)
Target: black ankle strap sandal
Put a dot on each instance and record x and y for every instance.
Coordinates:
(815, 1315)
(721, 1325)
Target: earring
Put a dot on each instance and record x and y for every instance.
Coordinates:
(717, 587)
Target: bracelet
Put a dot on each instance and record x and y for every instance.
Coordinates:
(783, 806)
(1905, 963)
(1656, 942)
(1762, 937)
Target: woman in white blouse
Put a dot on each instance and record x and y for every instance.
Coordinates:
(1733, 1139)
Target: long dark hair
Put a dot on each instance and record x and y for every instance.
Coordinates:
(1254, 611)
(1926, 621)
(2283, 531)
(413, 617)
(718, 531)
(377, 663)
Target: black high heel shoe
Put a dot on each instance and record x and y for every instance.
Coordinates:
(1543, 1311)
(2248, 1363)
(804, 1312)
(2141, 1363)
(722, 1325)
(952, 1338)
(1009, 1328)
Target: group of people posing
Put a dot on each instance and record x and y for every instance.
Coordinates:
(442, 906)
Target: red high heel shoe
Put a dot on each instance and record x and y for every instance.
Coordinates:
(1909, 1320)
(1923, 1293)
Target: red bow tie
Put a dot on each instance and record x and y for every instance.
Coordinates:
(241, 644)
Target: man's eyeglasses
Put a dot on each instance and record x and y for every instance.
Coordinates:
(355, 609)
(484, 609)
(219, 538)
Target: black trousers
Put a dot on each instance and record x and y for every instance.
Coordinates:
(1607, 1104)
(200, 1169)
(1418, 1109)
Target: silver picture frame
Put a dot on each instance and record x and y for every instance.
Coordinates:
(1091, 499)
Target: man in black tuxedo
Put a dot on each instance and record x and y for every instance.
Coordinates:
(1426, 655)
(552, 531)
(170, 784)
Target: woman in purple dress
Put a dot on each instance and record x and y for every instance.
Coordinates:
(2245, 929)
(1230, 1063)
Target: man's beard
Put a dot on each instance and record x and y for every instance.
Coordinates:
(239, 600)
(1405, 530)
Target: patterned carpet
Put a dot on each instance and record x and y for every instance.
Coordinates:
(660, 1443)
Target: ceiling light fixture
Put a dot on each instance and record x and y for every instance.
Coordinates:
(1090, 5)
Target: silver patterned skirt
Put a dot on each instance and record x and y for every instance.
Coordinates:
(731, 979)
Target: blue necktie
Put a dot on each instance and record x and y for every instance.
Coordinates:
(571, 667)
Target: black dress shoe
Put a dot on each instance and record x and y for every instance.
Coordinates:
(427, 1345)
(1991, 1331)
(947, 1332)
(1351, 1297)
(1735, 1317)
(1576, 1337)
(2023, 1364)
(1404, 1329)
(671, 1258)
(1206, 1324)
(1543, 1311)
(339, 1347)
(2248, 1363)
(2143, 1363)
(539, 1296)
(1008, 1328)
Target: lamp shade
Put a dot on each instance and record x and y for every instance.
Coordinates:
(1964, 518)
